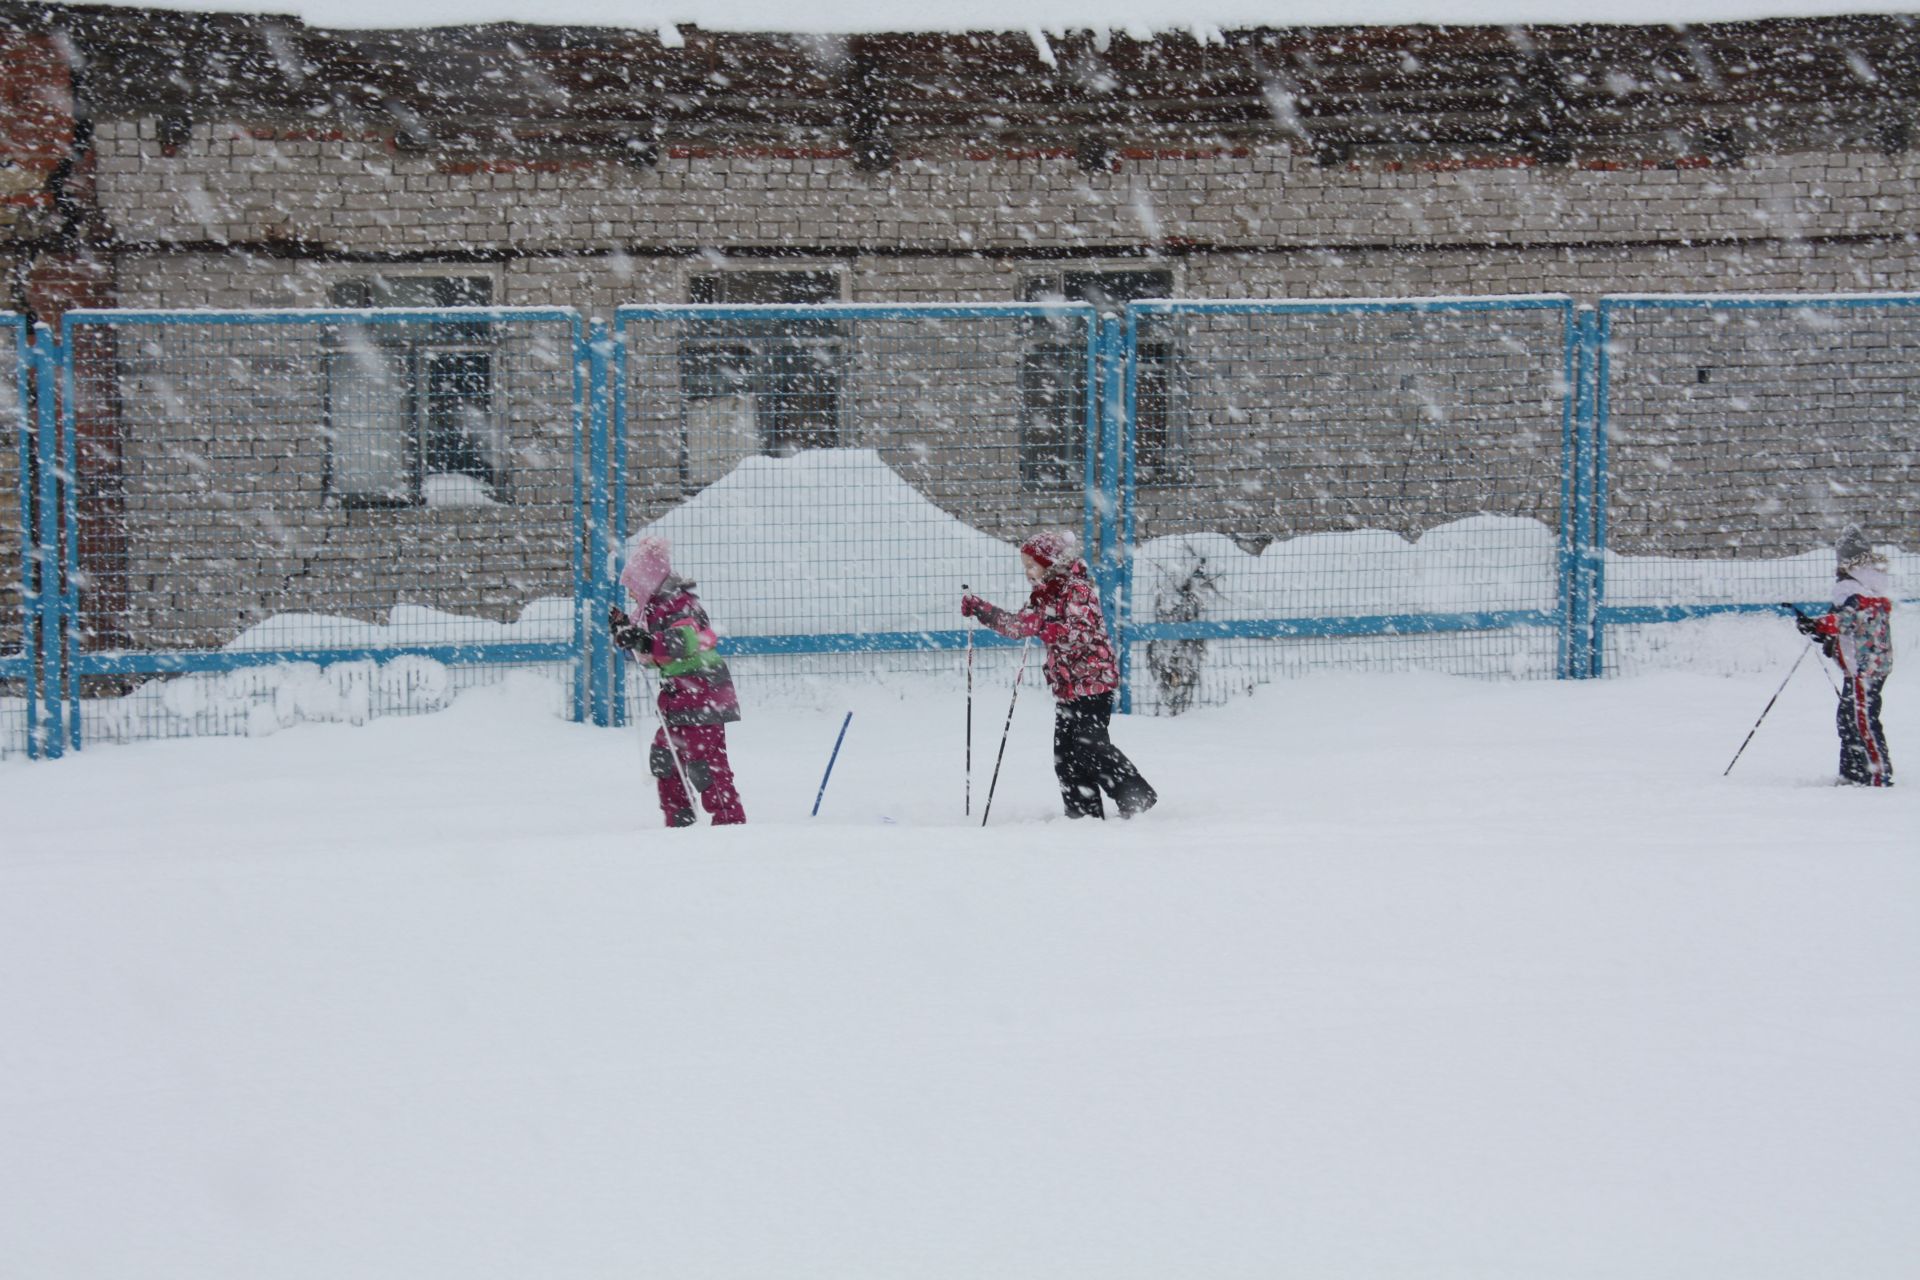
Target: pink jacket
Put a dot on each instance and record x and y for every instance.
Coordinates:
(1861, 624)
(1064, 611)
(679, 642)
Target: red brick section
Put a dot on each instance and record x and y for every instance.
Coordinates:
(38, 166)
(36, 123)
(60, 281)
(57, 284)
(46, 187)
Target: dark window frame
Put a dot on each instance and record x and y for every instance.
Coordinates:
(796, 373)
(1052, 446)
(444, 375)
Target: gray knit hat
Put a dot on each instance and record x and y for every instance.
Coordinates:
(1852, 548)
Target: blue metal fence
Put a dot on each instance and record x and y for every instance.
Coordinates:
(833, 475)
(1353, 483)
(19, 604)
(329, 514)
(1736, 435)
(224, 522)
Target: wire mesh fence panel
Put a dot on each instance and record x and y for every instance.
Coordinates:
(316, 515)
(17, 566)
(1353, 485)
(832, 476)
(1740, 436)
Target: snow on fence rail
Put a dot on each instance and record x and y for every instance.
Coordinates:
(282, 516)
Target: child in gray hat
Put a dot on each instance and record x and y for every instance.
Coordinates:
(1858, 635)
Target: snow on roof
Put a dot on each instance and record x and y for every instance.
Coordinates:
(1135, 17)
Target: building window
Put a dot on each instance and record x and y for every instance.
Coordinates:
(1053, 410)
(410, 408)
(751, 386)
(1053, 382)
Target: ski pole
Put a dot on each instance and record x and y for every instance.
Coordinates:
(830, 759)
(673, 748)
(1770, 701)
(1026, 647)
(968, 811)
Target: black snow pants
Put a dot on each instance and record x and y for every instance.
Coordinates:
(1864, 760)
(1086, 762)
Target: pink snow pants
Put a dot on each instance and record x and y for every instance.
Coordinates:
(703, 756)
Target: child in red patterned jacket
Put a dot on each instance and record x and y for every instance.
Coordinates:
(668, 630)
(1858, 636)
(1064, 612)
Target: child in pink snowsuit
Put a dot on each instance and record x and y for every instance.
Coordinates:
(1064, 611)
(669, 631)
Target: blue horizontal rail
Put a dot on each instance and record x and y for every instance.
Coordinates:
(1392, 624)
(460, 655)
(1753, 301)
(861, 311)
(1631, 615)
(320, 315)
(1308, 306)
(861, 642)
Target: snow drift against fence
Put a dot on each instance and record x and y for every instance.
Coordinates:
(834, 541)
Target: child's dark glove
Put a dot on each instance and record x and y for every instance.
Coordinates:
(1805, 626)
(626, 632)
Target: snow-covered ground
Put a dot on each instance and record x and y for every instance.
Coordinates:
(1409, 976)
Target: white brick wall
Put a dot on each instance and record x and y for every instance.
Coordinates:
(593, 236)
(360, 195)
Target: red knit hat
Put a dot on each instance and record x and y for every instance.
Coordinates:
(1050, 547)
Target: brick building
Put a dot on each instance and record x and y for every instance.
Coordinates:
(252, 162)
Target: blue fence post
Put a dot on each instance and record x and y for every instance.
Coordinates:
(49, 547)
(1571, 367)
(582, 480)
(1600, 324)
(1575, 565)
(26, 445)
(590, 588)
(1117, 351)
(614, 481)
(69, 477)
(1094, 502)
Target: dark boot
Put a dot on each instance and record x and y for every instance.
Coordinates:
(1134, 797)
